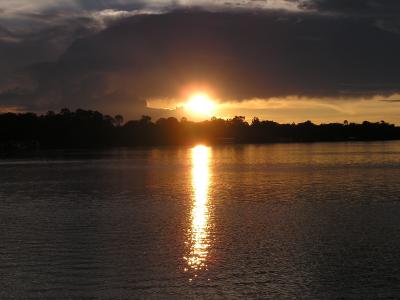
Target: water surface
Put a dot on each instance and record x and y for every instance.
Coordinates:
(286, 220)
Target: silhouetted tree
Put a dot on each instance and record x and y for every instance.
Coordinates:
(145, 120)
(119, 120)
(86, 128)
(255, 121)
(65, 111)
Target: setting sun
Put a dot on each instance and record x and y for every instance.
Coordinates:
(201, 104)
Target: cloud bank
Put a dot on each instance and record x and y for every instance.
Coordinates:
(114, 55)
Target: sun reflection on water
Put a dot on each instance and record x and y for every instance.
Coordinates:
(199, 231)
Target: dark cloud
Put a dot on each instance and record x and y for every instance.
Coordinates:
(239, 55)
(6, 36)
(19, 49)
(391, 100)
(32, 32)
(107, 4)
(356, 7)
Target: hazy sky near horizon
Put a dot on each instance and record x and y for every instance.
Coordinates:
(286, 60)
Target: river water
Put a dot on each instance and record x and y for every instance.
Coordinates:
(238, 221)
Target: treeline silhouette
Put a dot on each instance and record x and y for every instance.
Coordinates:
(86, 128)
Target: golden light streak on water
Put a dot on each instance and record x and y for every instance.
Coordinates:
(199, 231)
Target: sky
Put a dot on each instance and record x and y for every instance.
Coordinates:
(282, 60)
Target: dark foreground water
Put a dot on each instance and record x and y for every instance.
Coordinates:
(273, 221)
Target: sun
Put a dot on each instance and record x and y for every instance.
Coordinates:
(200, 103)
